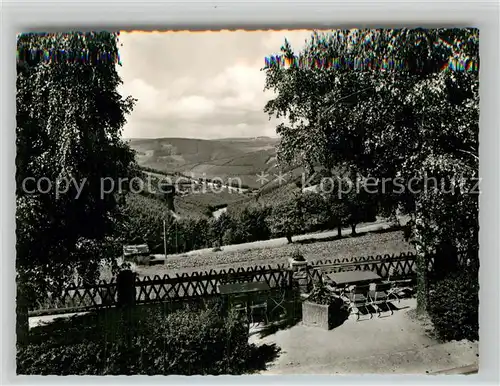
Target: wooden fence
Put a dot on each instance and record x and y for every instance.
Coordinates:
(205, 284)
(397, 266)
(400, 266)
(165, 288)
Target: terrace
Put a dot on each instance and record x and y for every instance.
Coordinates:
(394, 344)
(392, 341)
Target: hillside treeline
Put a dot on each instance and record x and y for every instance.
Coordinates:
(297, 213)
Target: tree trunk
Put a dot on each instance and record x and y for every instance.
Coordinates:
(289, 239)
(422, 268)
(422, 282)
(339, 231)
(353, 229)
(310, 170)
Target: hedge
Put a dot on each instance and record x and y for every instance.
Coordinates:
(147, 340)
(454, 306)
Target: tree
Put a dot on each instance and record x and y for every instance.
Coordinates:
(69, 121)
(142, 222)
(416, 117)
(359, 207)
(337, 214)
(338, 202)
(315, 210)
(253, 220)
(244, 224)
(287, 217)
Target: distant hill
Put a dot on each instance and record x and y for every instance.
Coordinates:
(225, 158)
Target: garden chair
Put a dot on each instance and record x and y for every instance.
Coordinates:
(401, 288)
(239, 304)
(358, 297)
(397, 286)
(336, 290)
(390, 273)
(324, 279)
(258, 306)
(381, 294)
(344, 291)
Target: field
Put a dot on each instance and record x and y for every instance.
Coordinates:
(362, 245)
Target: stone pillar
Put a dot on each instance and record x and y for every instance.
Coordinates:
(300, 275)
(296, 265)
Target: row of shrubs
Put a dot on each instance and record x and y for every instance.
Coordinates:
(144, 340)
(298, 214)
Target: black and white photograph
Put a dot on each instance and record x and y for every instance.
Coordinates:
(235, 202)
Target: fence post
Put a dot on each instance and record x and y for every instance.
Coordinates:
(125, 286)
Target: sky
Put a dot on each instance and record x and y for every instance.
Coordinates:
(199, 84)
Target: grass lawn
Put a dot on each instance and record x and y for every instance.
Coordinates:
(362, 245)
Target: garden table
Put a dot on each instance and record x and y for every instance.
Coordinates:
(353, 277)
(243, 293)
(243, 288)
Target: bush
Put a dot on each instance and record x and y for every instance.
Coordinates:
(454, 306)
(228, 237)
(321, 295)
(146, 340)
(216, 247)
(142, 260)
(297, 256)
